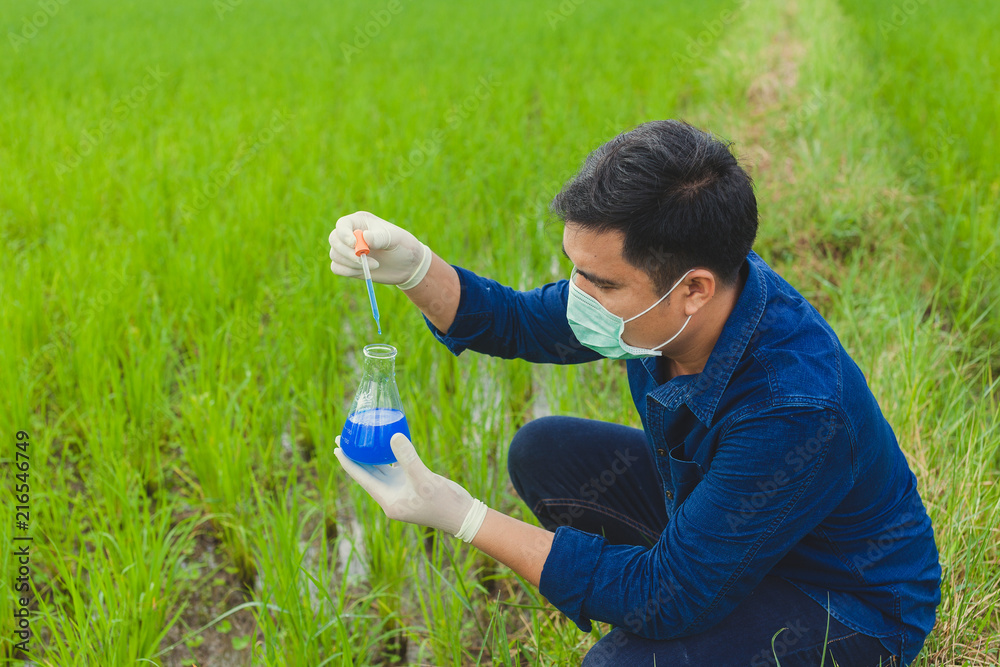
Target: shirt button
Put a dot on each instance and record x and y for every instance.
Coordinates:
(669, 495)
(661, 452)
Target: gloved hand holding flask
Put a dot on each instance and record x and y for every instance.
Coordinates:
(410, 492)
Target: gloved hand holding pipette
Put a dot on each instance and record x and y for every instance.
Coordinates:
(396, 257)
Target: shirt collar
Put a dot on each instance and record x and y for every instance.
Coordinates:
(702, 391)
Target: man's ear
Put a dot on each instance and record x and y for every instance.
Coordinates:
(698, 290)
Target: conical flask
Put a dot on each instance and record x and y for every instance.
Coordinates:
(377, 413)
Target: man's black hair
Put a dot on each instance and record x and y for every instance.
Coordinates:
(678, 195)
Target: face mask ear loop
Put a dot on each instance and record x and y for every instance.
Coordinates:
(675, 335)
(679, 281)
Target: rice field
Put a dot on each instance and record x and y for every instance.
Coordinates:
(176, 357)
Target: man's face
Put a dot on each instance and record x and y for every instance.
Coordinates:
(624, 290)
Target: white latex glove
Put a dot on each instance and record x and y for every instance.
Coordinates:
(408, 491)
(396, 257)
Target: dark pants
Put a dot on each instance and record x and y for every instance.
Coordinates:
(600, 478)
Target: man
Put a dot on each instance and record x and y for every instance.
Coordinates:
(766, 492)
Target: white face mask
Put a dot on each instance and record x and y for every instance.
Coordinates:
(601, 330)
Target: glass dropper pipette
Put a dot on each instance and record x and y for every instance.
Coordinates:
(361, 250)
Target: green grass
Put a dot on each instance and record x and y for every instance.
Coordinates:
(948, 146)
(182, 358)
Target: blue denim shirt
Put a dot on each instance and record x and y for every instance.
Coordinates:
(774, 459)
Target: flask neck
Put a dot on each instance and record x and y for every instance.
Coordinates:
(380, 360)
(380, 367)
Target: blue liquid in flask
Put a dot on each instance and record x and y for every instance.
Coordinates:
(367, 432)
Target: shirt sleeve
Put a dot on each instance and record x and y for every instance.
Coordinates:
(775, 476)
(503, 322)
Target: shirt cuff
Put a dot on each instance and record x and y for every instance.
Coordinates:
(569, 571)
